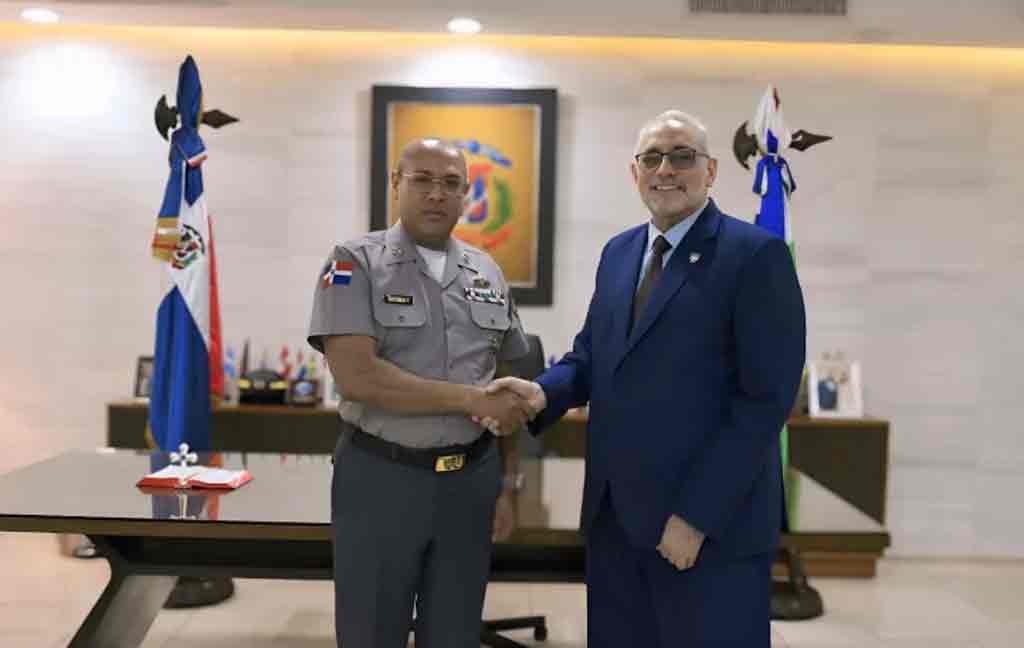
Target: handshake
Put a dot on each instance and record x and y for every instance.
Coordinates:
(506, 405)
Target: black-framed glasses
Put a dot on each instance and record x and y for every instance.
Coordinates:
(680, 159)
(424, 183)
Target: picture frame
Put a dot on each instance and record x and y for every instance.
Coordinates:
(304, 393)
(834, 389)
(143, 377)
(509, 137)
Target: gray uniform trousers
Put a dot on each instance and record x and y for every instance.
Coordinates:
(405, 536)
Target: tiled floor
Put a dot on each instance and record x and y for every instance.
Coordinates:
(912, 604)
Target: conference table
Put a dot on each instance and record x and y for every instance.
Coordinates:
(278, 526)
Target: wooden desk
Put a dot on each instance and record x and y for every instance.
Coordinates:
(850, 457)
(278, 526)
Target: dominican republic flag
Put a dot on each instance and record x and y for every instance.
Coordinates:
(772, 178)
(187, 363)
(338, 273)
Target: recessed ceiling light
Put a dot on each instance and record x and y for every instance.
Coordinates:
(40, 15)
(464, 26)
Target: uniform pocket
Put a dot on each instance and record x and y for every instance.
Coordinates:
(493, 317)
(400, 323)
(399, 315)
(494, 320)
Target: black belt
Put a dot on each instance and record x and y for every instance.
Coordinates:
(447, 459)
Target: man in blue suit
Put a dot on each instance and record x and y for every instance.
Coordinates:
(690, 357)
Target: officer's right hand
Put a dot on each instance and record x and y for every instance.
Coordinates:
(531, 392)
(505, 409)
(528, 390)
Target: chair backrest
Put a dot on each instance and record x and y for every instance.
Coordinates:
(528, 367)
(532, 364)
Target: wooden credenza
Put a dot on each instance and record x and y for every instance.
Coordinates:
(848, 456)
(240, 428)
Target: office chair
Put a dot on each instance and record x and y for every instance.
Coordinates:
(528, 367)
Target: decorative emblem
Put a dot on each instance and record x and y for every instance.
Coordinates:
(190, 247)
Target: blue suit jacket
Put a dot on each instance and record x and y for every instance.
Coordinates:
(686, 406)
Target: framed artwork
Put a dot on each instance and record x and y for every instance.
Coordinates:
(143, 377)
(509, 139)
(834, 388)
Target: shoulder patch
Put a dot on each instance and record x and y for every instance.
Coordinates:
(336, 273)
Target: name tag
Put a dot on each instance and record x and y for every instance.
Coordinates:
(401, 300)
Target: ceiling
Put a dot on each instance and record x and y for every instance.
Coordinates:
(991, 23)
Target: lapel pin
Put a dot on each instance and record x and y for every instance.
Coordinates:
(694, 257)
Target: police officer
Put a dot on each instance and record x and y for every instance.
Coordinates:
(413, 323)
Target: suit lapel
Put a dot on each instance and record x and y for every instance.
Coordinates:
(675, 274)
(624, 290)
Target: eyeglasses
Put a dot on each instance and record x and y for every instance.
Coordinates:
(680, 159)
(425, 183)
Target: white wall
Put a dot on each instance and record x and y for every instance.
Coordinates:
(909, 239)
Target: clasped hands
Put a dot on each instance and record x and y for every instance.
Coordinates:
(507, 404)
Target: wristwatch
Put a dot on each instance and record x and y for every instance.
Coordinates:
(514, 483)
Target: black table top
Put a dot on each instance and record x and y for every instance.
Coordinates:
(288, 499)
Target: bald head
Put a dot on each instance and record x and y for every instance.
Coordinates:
(674, 120)
(430, 147)
(428, 185)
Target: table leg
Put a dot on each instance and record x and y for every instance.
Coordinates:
(126, 609)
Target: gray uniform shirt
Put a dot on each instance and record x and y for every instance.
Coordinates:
(455, 331)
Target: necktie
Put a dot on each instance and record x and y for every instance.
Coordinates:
(661, 246)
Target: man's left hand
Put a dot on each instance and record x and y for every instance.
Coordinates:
(506, 514)
(680, 543)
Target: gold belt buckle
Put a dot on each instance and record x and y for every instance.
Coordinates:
(450, 463)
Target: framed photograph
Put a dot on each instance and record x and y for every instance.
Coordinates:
(834, 388)
(509, 139)
(305, 392)
(143, 376)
